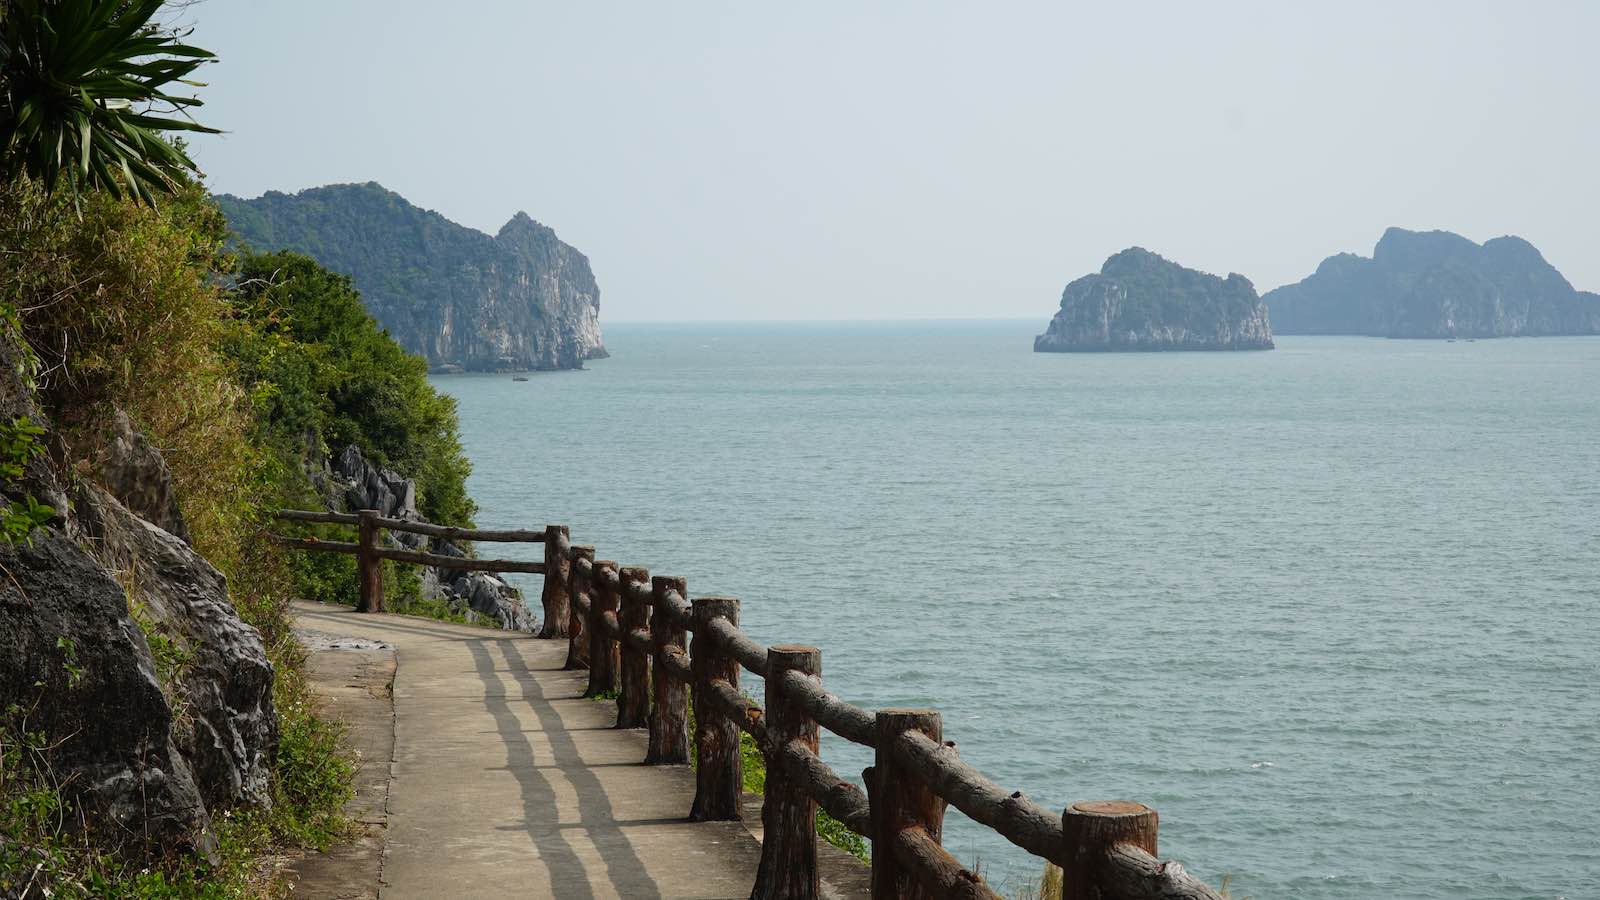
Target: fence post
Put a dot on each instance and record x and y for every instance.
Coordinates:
(602, 646)
(1091, 829)
(669, 718)
(719, 773)
(789, 813)
(577, 586)
(557, 569)
(633, 698)
(900, 800)
(369, 567)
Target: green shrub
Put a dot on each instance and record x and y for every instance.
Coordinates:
(19, 445)
(313, 777)
(318, 364)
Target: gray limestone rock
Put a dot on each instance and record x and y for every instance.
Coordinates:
(226, 724)
(367, 485)
(75, 667)
(464, 300)
(1140, 301)
(361, 484)
(495, 599)
(133, 470)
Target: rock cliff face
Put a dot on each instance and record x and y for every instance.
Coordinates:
(64, 622)
(227, 729)
(463, 300)
(1140, 301)
(1436, 285)
(157, 752)
(352, 482)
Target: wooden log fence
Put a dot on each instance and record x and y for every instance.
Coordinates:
(661, 653)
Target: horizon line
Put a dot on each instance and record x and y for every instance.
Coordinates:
(817, 321)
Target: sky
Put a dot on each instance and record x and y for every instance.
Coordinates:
(890, 160)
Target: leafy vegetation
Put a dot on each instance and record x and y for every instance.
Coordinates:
(19, 445)
(121, 306)
(316, 363)
(86, 92)
(320, 375)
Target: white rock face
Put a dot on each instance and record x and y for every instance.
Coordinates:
(465, 301)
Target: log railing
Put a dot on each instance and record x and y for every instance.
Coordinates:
(370, 552)
(662, 652)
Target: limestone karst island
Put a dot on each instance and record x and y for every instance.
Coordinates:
(355, 545)
(1140, 301)
(1436, 284)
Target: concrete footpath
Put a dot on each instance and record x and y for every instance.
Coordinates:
(503, 781)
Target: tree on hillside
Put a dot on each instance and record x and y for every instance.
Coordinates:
(317, 363)
(86, 93)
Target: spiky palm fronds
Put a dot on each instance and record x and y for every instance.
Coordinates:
(85, 93)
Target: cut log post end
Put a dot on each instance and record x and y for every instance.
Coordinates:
(900, 801)
(1091, 829)
(1107, 822)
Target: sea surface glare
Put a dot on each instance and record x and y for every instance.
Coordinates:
(1332, 609)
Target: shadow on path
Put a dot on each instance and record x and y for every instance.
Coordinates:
(624, 869)
(568, 878)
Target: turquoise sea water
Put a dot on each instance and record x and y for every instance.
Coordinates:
(1332, 609)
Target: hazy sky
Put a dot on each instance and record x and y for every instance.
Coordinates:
(893, 160)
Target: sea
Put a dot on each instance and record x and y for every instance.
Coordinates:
(1333, 610)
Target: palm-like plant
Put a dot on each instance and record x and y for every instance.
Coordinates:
(84, 94)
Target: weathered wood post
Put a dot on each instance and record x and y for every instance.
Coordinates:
(557, 569)
(669, 717)
(369, 567)
(1092, 828)
(719, 773)
(602, 646)
(578, 586)
(633, 697)
(789, 814)
(900, 800)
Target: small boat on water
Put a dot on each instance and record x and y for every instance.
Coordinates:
(519, 378)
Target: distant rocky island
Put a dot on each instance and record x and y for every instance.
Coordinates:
(463, 300)
(1140, 301)
(1436, 284)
